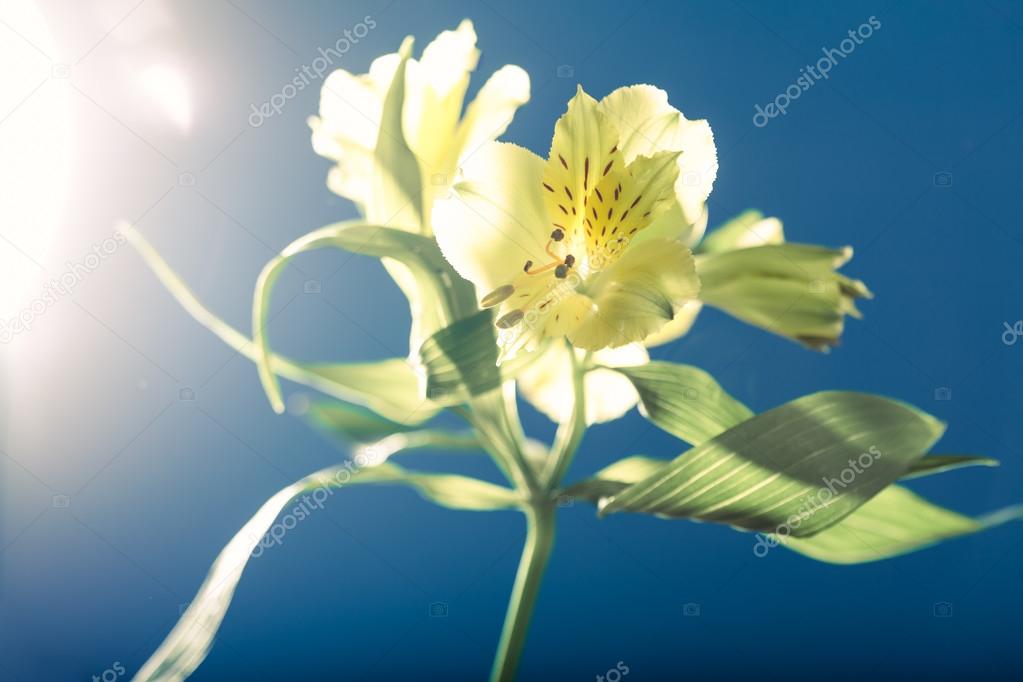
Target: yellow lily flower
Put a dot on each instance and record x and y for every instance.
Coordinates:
(586, 244)
(433, 127)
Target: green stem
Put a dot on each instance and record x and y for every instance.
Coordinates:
(570, 434)
(539, 541)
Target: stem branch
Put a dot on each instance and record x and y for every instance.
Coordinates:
(539, 540)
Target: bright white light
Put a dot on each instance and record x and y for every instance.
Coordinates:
(35, 148)
(168, 89)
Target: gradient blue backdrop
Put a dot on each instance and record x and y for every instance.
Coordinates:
(935, 90)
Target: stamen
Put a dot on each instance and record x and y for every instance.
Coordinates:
(529, 264)
(561, 272)
(558, 235)
(499, 294)
(510, 320)
(569, 260)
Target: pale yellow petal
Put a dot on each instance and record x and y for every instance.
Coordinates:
(583, 150)
(493, 221)
(636, 295)
(547, 383)
(435, 87)
(488, 115)
(678, 327)
(647, 123)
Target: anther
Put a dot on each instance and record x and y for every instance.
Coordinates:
(499, 294)
(561, 272)
(529, 264)
(510, 320)
(558, 235)
(569, 260)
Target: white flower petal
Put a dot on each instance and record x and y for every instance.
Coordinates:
(435, 89)
(487, 117)
(547, 383)
(494, 220)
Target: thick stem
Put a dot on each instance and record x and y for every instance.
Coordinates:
(539, 540)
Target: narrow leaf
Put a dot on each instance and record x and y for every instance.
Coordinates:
(894, 522)
(450, 297)
(189, 642)
(805, 465)
(936, 464)
(390, 387)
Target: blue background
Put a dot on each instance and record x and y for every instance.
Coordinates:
(158, 485)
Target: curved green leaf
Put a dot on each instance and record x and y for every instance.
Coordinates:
(805, 465)
(450, 297)
(684, 400)
(189, 642)
(352, 424)
(390, 387)
(894, 522)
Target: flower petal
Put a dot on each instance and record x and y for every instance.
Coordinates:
(493, 221)
(744, 231)
(583, 150)
(487, 117)
(547, 383)
(636, 295)
(679, 326)
(434, 93)
(347, 128)
(647, 123)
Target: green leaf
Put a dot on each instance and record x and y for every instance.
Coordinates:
(461, 360)
(615, 477)
(936, 464)
(354, 424)
(390, 387)
(449, 296)
(684, 400)
(806, 465)
(189, 642)
(894, 522)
